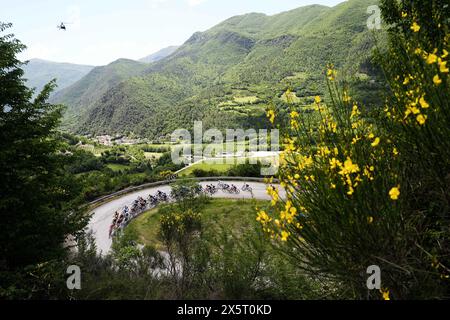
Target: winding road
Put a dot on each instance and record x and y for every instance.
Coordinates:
(102, 216)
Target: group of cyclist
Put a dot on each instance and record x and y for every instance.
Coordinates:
(210, 189)
(125, 215)
(232, 188)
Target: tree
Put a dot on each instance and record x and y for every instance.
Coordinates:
(180, 232)
(187, 194)
(37, 196)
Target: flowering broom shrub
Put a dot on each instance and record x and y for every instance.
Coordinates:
(371, 187)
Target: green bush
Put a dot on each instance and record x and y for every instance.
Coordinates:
(246, 170)
(200, 173)
(367, 187)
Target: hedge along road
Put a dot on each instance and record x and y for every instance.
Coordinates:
(103, 214)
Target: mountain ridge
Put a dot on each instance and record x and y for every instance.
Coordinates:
(159, 55)
(39, 72)
(252, 57)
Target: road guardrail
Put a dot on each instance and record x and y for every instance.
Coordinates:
(168, 182)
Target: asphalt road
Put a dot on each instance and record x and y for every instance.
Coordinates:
(102, 216)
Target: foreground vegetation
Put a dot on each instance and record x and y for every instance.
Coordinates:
(237, 215)
(366, 186)
(371, 187)
(196, 249)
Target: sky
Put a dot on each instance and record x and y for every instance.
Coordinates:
(102, 31)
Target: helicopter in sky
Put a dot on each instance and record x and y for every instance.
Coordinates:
(62, 26)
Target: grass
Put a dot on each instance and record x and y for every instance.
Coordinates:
(246, 100)
(297, 76)
(117, 167)
(150, 155)
(209, 165)
(239, 215)
(292, 97)
(206, 166)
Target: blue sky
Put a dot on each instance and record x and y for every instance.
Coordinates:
(102, 31)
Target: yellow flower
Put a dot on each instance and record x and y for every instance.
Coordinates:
(394, 193)
(445, 54)
(370, 220)
(263, 217)
(346, 97)
(443, 66)
(415, 27)
(284, 236)
(421, 119)
(376, 142)
(432, 58)
(404, 14)
(317, 99)
(293, 211)
(413, 110)
(395, 152)
(271, 116)
(355, 140)
(294, 114)
(350, 191)
(335, 163)
(331, 73)
(355, 111)
(385, 294)
(437, 81)
(423, 103)
(349, 167)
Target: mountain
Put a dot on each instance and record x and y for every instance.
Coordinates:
(161, 54)
(39, 72)
(229, 74)
(82, 94)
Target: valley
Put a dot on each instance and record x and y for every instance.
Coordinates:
(227, 76)
(297, 154)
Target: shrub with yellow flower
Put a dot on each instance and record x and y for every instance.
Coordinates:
(365, 187)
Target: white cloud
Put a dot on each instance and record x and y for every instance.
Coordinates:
(193, 3)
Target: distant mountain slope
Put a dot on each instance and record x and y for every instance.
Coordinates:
(85, 92)
(161, 54)
(39, 72)
(226, 76)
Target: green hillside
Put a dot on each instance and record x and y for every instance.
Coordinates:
(229, 74)
(85, 92)
(40, 72)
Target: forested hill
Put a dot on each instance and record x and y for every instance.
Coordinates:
(226, 76)
(87, 91)
(40, 72)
